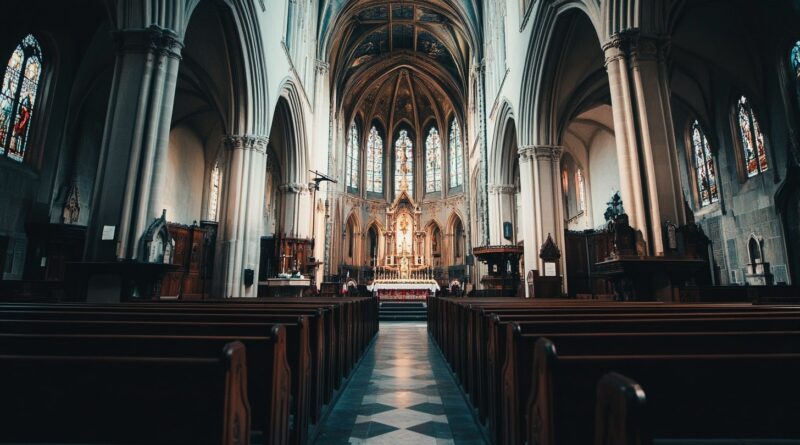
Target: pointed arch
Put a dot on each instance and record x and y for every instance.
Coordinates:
(373, 243)
(503, 156)
(352, 157)
(456, 235)
(456, 153)
(375, 155)
(549, 21)
(433, 160)
(352, 239)
(290, 106)
(403, 146)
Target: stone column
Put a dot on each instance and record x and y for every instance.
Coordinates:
(528, 220)
(646, 145)
(240, 238)
(135, 141)
(550, 211)
(296, 213)
(656, 129)
(501, 210)
(625, 132)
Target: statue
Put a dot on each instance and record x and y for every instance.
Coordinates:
(72, 208)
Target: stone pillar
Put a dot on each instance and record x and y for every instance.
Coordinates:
(656, 130)
(135, 140)
(501, 210)
(543, 212)
(528, 220)
(240, 238)
(296, 210)
(646, 146)
(548, 191)
(625, 132)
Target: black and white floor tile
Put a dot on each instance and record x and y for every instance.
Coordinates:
(402, 393)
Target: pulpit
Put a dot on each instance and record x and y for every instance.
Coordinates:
(503, 278)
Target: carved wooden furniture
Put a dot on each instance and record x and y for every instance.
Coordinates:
(502, 278)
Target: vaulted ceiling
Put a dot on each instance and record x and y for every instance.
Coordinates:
(412, 55)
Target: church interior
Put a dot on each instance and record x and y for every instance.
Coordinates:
(549, 222)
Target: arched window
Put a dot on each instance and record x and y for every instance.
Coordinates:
(18, 97)
(374, 162)
(580, 188)
(403, 164)
(213, 195)
(703, 166)
(456, 155)
(433, 162)
(754, 150)
(795, 56)
(351, 174)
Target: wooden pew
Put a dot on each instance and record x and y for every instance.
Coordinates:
(519, 365)
(691, 396)
(268, 373)
(125, 399)
(471, 341)
(298, 352)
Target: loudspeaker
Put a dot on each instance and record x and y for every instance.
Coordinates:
(508, 231)
(249, 275)
(470, 260)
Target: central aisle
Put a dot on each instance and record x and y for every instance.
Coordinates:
(401, 394)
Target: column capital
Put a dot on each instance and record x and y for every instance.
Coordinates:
(322, 66)
(637, 45)
(294, 187)
(540, 152)
(246, 142)
(150, 39)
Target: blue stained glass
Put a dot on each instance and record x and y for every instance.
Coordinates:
(18, 97)
(456, 155)
(352, 167)
(433, 162)
(795, 56)
(404, 164)
(374, 162)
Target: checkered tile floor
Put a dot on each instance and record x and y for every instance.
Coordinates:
(401, 394)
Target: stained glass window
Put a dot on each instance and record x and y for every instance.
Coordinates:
(403, 164)
(433, 162)
(18, 97)
(351, 173)
(456, 155)
(795, 56)
(755, 153)
(580, 188)
(213, 195)
(374, 161)
(704, 166)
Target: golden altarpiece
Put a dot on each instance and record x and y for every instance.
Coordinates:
(403, 272)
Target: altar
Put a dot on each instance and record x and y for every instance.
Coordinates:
(402, 272)
(404, 290)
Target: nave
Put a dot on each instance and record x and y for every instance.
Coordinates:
(401, 393)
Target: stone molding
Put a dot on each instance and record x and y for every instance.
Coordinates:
(246, 142)
(636, 45)
(540, 153)
(502, 189)
(295, 187)
(152, 39)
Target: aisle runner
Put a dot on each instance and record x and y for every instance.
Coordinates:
(401, 394)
